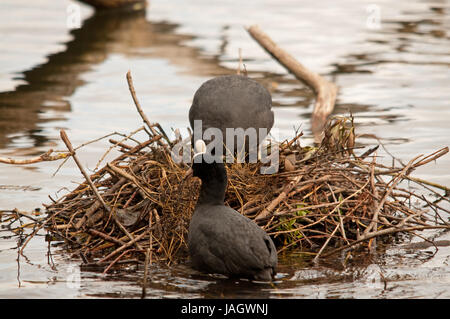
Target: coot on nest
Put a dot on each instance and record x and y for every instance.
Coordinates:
(220, 239)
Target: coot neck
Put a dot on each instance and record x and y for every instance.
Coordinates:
(212, 191)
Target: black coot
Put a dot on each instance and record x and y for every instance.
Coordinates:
(220, 239)
(232, 101)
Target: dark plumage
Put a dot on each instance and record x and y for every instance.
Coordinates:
(232, 101)
(220, 239)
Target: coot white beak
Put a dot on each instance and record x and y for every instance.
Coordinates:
(199, 149)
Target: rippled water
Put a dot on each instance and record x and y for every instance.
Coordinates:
(393, 76)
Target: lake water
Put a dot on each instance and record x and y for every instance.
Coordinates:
(390, 59)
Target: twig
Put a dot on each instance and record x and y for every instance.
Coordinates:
(128, 244)
(106, 237)
(325, 244)
(141, 112)
(374, 222)
(432, 157)
(77, 161)
(84, 144)
(125, 231)
(341, 222)
(96, 205)
(116, 260)
(131, 178)
(16, 211)
(267, 211)
(329, 213)
(297, 136)
(387, 231)
(112, 146)
(394, 183)
(46, 157)
(29, 237)
(123, 145)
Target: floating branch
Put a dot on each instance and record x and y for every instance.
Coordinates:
(325, 91)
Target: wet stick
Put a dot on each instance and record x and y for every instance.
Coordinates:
(316, 258)
(116, 260)
(387, 231)
(46, 157)
(29, 237)
(268, 210)
(128, 244)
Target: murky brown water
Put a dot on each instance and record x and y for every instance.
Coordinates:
(394, 77)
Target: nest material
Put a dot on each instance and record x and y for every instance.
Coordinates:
(324, 197)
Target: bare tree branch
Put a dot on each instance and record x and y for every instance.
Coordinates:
(326, 91)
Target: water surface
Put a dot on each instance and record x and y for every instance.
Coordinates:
(394, 77)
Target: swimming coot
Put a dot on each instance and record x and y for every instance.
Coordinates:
(232, 101)
(220, 239)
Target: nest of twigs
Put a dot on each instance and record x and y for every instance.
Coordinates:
(323, 199)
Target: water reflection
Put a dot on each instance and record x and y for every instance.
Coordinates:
(418, 38)
(49, 85)
(392, 271)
